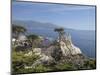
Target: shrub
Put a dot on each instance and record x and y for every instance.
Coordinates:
(64, 66)
(19, 60)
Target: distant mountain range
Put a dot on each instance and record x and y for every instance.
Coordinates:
(84, 39)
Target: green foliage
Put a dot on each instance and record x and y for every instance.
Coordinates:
(64, 66)
(59, 29)
(16, 30)
(19, 28)
(33, 40)
(19, 60)
(32, 37)
(90, 64)
(40, 68)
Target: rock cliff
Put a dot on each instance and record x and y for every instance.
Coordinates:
(60, 51)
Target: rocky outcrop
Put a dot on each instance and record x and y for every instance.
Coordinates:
(64, 50)
(68, 48)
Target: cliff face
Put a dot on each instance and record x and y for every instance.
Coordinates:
(68, 48)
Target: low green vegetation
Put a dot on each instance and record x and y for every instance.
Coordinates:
(64, 66)
(19, 60)
(90, 64)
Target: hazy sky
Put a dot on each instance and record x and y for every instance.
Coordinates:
(69, 16)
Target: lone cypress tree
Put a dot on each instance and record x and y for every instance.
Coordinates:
(60, 32)
(62, 38)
